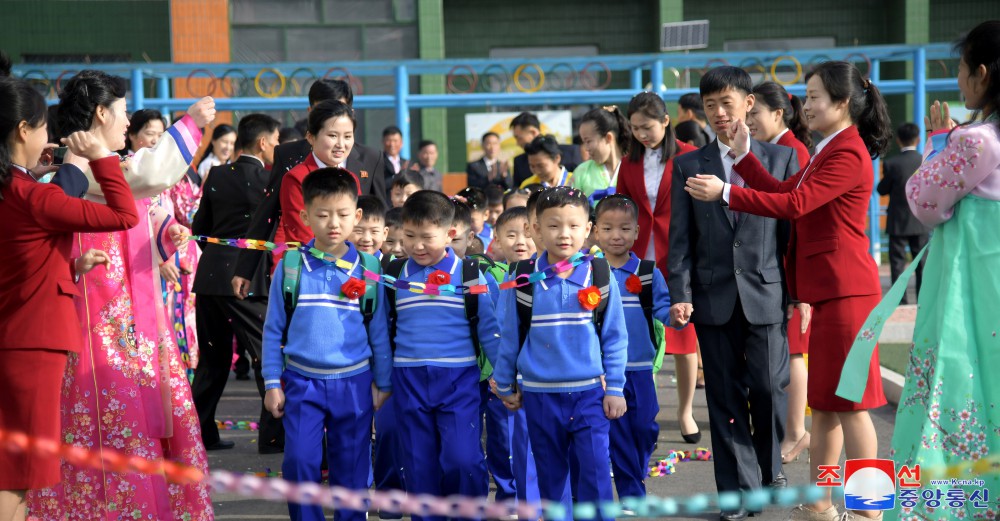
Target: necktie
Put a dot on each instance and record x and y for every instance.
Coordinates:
(736, 180)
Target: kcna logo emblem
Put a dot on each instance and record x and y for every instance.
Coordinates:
(869, 484)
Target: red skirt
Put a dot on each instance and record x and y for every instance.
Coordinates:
(837, 322)
(30, 384)
(798, 342)
(680, 341)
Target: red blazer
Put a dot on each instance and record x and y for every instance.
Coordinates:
(828, 247)
(801, 152)
(36, 282)
(655, 225)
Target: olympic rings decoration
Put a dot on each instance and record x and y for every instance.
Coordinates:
(708, 64)
(471, 78)
(38, 82)
(227, 81)
(864, 58)
(537, 84)
(356, 85)
(944, 68)
(566, 80)
(774, 70)
(486, 83)
(271, 93)
(751, 65)
(211, 83)
(297, 87)
(816, 60)
(601, 66)
(62, 75)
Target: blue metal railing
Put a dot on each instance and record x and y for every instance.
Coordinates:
(771, 65)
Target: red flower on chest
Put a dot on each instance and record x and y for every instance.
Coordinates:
(589, 297)
(633, 284)
(439, 278)
(353, 288)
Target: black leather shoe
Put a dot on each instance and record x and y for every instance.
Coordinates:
(737, 515)
(221, 445)
(694, 437)
(780, 481)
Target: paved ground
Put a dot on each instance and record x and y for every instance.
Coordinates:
(241, 402)
(693, 477)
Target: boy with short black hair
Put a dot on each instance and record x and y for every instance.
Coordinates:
(512, 243)
(464, 233)
(494, 200)
(436, 375)
(644, 298)
(392, 246)
(403, 185)
(533, 218)
(580, 311)
(476, 199)
(326, 351)
(370, 233)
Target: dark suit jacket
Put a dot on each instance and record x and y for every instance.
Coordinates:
(478, 174)
(71, 180)
(570, 159)
(231, 196)
(899, 220)
(711, 262)
(368, 164)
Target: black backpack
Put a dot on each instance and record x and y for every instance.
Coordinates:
(645, 274)
(470, 277)
(601, 271)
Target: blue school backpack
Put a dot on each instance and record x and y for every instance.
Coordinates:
(292, 269)
(602, 279)
(470, 277)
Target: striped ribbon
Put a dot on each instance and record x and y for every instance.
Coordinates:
(551, 271)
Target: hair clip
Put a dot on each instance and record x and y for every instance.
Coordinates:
(789, 96)
(867, 83)
(610, 108)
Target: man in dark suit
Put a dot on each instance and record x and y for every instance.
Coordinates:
(392, 147)
(903, 228)
(489, 169)
(726, 277)
(526, 127)
(367, 163)
(230, 197)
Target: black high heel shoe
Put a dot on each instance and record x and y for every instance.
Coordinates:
(694, 437)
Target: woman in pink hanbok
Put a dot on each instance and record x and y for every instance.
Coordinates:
(126, 390)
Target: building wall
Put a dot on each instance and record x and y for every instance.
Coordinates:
(136, 30)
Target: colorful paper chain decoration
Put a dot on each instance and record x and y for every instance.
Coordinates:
(230, 425)
(402, 285)
(276, 489)
(666, 466)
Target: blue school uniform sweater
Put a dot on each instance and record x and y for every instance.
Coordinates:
(641, 350)
(327, 338)
(563, 350)
(486, 236)
(433, 329)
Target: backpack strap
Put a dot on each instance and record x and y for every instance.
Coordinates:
(386, 259)
(369, 301)
(394, 269)
(524, 300)
(600, 272)
(470, 277)
(292, 272)
(645, 274)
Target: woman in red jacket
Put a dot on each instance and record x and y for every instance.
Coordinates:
(830, 267)
(777, 117)
(644, 176)
(38, 321)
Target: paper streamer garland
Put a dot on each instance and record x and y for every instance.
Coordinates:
(402, 285)
(275, 489)
(230, 425)
(666, 466)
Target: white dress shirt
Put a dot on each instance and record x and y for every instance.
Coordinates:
(652, 174)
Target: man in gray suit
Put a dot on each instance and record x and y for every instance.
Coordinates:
(726, 276)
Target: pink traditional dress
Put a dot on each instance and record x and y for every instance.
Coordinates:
(181, 201)
(127, 389)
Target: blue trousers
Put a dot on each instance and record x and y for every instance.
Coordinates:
(344, 408)
(634, 435)
(387, 465)
(440, 431)
(499, 427)
(564, 427)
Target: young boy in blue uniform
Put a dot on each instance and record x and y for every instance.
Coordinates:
(564, 355)
(436, 374)
(334, 369)
(633, 436)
